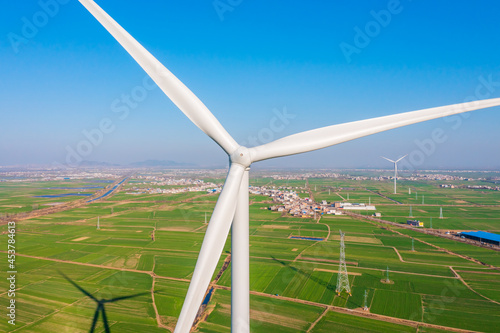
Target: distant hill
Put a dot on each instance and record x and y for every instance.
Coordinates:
(96, 164)
(141, 164)
(160, 163)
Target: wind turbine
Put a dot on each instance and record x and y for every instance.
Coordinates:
(395, 168)
(231, 209)
(100, 304)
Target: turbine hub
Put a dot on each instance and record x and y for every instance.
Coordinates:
(241, 156)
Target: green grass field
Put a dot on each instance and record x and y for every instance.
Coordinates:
(151, 242)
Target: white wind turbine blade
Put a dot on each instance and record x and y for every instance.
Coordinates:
(178, 93)
(332, 135)
(400, 158)
(385, 158)
(211, 249)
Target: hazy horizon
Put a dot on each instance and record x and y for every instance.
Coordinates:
(70, 92)
(257, 167)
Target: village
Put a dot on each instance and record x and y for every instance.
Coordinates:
(287, 200)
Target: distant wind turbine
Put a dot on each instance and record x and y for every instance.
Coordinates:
(232, 207)
(395, 169)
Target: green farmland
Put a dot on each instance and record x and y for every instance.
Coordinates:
(147, 246)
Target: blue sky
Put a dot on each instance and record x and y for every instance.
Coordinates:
(249, 61)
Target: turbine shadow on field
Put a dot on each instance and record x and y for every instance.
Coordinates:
(100, 304)
(319, 281)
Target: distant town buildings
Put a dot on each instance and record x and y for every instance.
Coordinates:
(171, 186)
(288, 201)
(472, 187)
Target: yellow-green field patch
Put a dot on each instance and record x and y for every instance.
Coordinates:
(80, 239)
(358, 239)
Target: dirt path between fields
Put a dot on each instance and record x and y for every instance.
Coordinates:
(327, 237)
(416, 262)
(327, 262)
(467, 285)
(157, 314)
(373, 221)
(329, 231)
(359, 313)
(317, 321)
(383, 196)
(399, 255)
(225, 266)
(476, 272)
(150, 273)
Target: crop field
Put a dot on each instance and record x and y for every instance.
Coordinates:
(147, 245)
(454, 218)
(397, 304)
(17, 197)
(339, 322)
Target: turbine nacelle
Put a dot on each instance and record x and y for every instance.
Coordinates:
(242, 156)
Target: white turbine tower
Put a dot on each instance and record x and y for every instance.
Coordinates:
(231, 209)
(395, 169)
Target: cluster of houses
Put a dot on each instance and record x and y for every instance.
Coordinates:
(169, 181)
(305, 176)
(288, 201)
(436, 176)
(332, 175)
(484, 187)
(473, 187)
(186, 185)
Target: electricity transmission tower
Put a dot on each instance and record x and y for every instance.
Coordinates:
(365, 307)
(342, 277)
